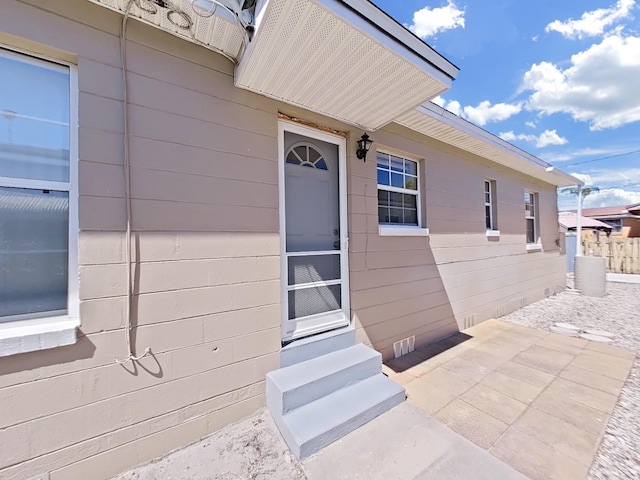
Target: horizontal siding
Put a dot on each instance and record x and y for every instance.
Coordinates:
(427, 287)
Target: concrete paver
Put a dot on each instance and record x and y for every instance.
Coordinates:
(524, 453)
(545, 359)
(537, 400)
(593, 380)
(476, 425)
(512, 387)
(494, 403)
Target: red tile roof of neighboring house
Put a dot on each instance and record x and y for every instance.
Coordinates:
(604, 211)
(569, 220)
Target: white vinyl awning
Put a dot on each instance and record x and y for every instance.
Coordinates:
(345, 59)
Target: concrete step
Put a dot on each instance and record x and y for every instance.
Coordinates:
(302, 383)
(317, 345)
(313, 426)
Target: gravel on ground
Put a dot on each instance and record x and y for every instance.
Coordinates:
(617, 312)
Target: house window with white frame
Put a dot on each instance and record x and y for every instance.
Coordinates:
(37, 188)
(531, 216)
(398, 191)
(490, 211)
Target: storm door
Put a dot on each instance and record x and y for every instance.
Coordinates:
(315, 290)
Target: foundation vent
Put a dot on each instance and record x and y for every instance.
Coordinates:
(469, 321)
(404, 346)
(523, 302)
(500, 310)
(547, 292)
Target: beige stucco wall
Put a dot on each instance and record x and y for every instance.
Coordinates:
(205, 215)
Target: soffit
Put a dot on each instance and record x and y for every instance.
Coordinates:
(220, 32)
(438, 123)
(325, 56)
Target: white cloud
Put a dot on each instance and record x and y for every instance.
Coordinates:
(611, 176)
(611, 197)
(485, 112)
(481, 114)
(550, 137)
(439, 101)
(427, 22)
(593, 23)
(531, 124)
(454, 107)
(582, 152)
(546, 138)
(583, 177)
(600, 86)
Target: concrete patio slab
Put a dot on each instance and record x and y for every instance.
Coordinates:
(540, 401)
(406, 444)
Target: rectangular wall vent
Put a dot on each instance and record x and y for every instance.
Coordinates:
(523, 302)
(469, 321)
(500, 310)
(404, 346)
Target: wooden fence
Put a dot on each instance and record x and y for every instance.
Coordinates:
(622, 254)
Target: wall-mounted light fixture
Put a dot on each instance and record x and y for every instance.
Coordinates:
(364, 144)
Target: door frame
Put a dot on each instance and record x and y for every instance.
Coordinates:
(341, 143)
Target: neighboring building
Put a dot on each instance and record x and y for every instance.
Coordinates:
(235, 248)
(568, 222)
(624, 220)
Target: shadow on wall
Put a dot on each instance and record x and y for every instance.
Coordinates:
(83, 349)
(397, 292)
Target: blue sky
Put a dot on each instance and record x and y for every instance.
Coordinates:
(559, 79)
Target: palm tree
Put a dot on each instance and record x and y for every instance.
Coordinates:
(585, 191)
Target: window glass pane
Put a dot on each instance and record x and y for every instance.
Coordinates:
(33, 251)
(411, 183)
(34, 119)
(383, 177)
(410, 167)
(311, 301)
(397, 180)
(487, 214)
(487, 198)
(487, 187)
(410, 201)
(383, 160)
(395, 199)
(395, 215)
(383, 197)
(530, 230)
(313, 268)
(383, 215)
(411, 217)
(397, 164)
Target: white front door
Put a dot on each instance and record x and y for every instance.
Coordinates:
(315, 294)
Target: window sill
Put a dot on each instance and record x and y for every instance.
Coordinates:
(402, 231)
(534, 247)
(37, 334)
(493, 233)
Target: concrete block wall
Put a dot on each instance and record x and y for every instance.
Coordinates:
(433, 286)
(205, 250)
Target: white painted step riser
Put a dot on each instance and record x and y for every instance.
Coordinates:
(316, 388)
(302, 350)
(312, 446)
(313, 426)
